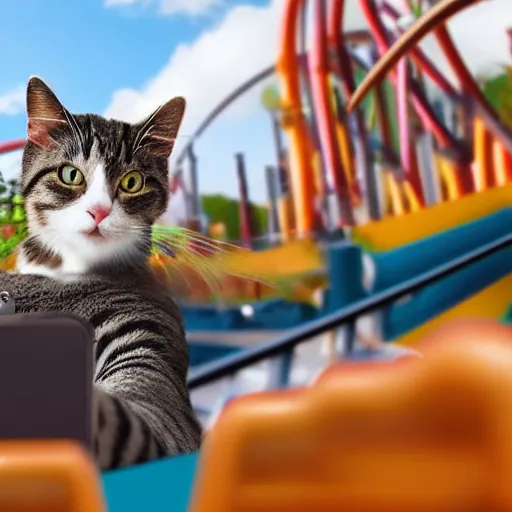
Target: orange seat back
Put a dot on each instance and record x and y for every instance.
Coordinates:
(418, 435)
(48, 476)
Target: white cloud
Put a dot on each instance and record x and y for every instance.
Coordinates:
(483, 46)
(171, 7)
(10, 164)
(245, 41)
(209, 68)
(13, 102)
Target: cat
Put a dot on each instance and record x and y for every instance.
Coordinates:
(92, 189)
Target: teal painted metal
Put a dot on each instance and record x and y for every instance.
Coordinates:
(200, 352)
(161, 486)
(402, 263)
(395, 266)
(167, 485)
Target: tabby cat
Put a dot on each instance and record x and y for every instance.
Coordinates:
(93, 188)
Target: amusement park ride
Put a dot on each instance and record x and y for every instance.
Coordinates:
(369, 169)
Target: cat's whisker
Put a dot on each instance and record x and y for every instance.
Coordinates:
(192, 235)
(201, 251)
(124, 231)
(214, 282)
(205, 241)
(180, 272)
(165, 248)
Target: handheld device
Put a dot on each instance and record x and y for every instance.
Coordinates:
(46, 365)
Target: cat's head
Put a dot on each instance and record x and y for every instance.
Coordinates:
(93, 187)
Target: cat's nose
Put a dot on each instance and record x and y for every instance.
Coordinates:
(98, 213)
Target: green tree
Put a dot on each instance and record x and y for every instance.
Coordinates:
(260, 219)
(3, 187)
(498, 91)
(12, 186)
(369, 105)
(220, 208)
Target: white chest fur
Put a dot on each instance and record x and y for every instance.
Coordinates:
(64, 274)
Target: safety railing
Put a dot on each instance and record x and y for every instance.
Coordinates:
(230, 365)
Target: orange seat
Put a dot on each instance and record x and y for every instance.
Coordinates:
(431, 434)
(48, 476)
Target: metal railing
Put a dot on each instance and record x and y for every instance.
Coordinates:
(229, 365)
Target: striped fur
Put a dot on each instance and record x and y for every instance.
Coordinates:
(142, 407)
(87, 254)
(103, 152)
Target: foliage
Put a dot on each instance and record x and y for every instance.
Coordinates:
(260, 218)
(12, 217)
(498, 91)
(220, 208)
(369, 105)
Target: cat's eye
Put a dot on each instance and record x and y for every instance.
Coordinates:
(70, 175)
(132, 182)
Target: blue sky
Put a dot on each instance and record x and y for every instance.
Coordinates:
(87, 50)
(84, 49)
(122, 58)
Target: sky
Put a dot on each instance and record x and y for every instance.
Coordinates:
(122, 58)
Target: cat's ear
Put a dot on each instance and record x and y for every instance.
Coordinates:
(45, 112)
(159, 131)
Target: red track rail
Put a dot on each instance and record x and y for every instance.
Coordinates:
(11, 145)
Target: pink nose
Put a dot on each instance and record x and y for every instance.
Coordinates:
(98, 213)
